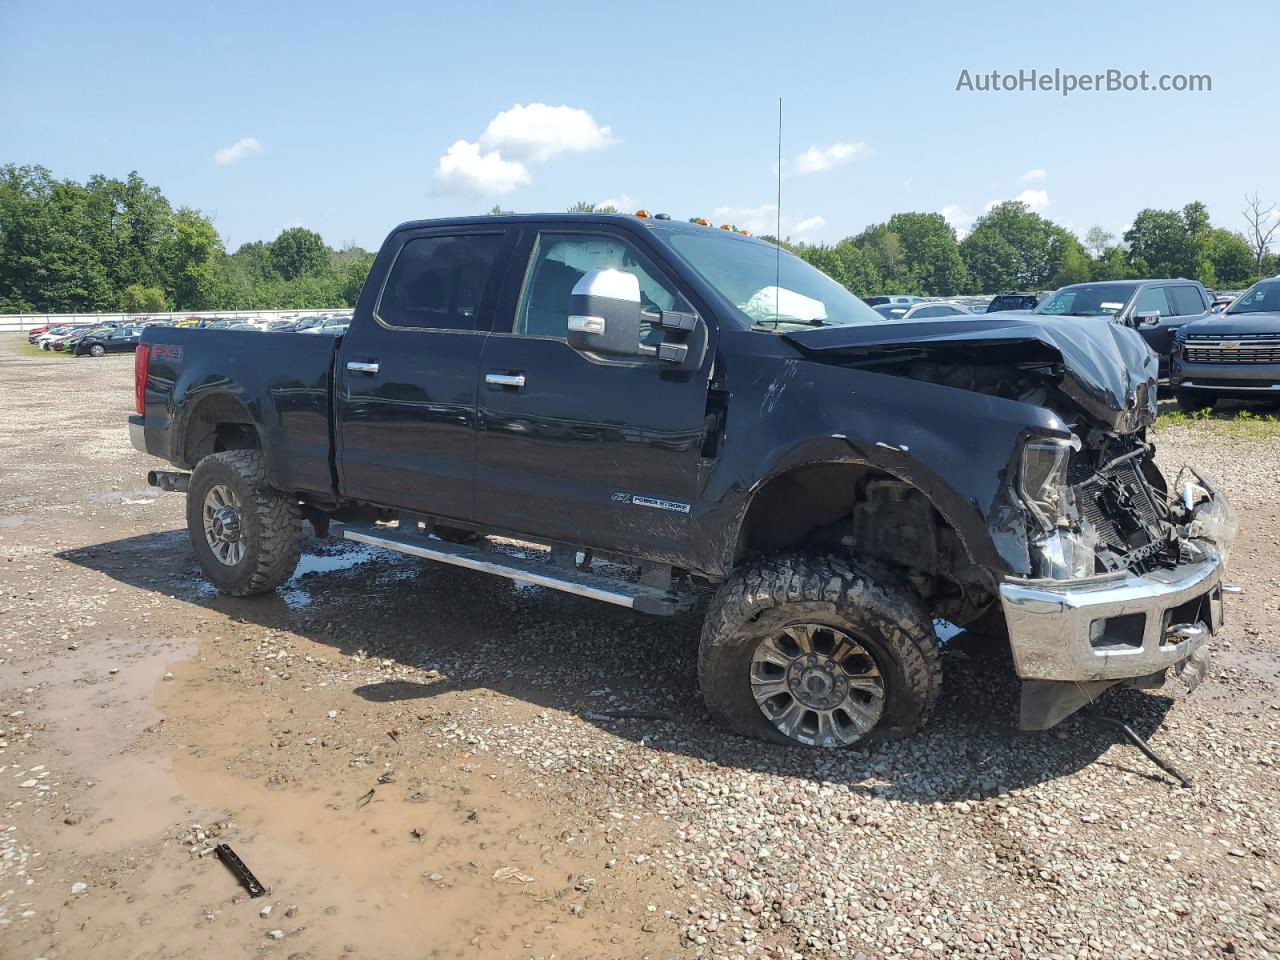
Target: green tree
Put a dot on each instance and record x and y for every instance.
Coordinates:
(1159, 244)
(1097, 241)
(1012, 248)
(585, 206)
(299, 252)
(139, 299)
(930, 253)
(192, 256)
(1111, 264)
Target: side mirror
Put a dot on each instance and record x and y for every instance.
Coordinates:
(604, 314)
(1147, 318)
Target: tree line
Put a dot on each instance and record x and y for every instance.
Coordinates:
(110, 244)
(1012, 247)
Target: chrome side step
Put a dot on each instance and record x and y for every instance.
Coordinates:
(622, 593)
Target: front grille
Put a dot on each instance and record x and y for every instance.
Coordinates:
(1241, 348)
(1231, 355)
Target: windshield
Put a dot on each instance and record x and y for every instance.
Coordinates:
(1263, 298)
(772, 290)
(1088, 300)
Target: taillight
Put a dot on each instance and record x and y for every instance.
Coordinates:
(141, 360)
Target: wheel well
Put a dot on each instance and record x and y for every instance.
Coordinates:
(218, 422)
(824, 506)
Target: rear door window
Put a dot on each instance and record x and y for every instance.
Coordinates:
(439, 282)
(1187, 301)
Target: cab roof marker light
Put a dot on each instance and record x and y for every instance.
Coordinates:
(642, 212)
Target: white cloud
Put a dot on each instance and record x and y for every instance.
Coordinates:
(959, 218)
(808, 225)
(1037, 174)
(466, 169)
(821, 159)
(622, 203)
(537, 132)
(1035, 199)
(764, 219)
(244, 147)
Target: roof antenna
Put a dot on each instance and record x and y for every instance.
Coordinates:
(777, 284)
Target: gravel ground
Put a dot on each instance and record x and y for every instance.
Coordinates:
(143, 718)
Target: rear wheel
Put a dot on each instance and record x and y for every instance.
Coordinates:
(1189, 402)
(818, 650)
(246, 534)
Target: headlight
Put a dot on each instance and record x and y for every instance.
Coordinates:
(1065, 554)
(1043, 479)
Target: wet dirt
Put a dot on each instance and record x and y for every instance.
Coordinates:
(144, 722)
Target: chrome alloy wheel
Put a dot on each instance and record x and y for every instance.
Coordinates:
(817, 685)
(222, 524)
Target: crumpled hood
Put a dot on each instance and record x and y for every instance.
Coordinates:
(1108, 369)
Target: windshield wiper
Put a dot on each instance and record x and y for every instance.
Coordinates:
(778, 321)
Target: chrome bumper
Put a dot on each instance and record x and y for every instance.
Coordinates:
(1115, 629)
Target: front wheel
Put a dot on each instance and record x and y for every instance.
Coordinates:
(1189, 402)
(97, 350)
(246, 534)
(818, 650)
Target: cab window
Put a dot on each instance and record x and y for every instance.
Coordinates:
(1154, 300)
(437, 283)
(559, 261)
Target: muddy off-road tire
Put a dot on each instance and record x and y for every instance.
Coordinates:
(246, 535)
(820, 651)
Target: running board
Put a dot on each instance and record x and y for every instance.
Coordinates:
(583, 583)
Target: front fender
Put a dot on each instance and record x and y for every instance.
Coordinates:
(958, 447)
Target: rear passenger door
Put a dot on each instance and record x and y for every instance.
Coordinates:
(405, 383)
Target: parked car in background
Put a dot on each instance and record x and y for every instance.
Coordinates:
(55, 338)
(1231, 355)
(881, 299)
(38, 335)
(1157, 309)
(333, 326)
(1221, 303)
(1013, 301)
(924, 310)
(96, 343)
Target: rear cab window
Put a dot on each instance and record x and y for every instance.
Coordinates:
(439, 282)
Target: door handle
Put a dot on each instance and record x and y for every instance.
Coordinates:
(505, 380)
(362, 366)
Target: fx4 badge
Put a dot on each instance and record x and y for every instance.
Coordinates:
(675, 506)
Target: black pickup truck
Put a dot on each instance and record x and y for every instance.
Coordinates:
(662, 410)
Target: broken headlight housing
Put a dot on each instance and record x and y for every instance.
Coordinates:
(1042, 481)
(1060, 550)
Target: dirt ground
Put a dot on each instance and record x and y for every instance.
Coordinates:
(418, 761)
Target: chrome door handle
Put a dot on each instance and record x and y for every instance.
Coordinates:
(362, 366)
(504, 379)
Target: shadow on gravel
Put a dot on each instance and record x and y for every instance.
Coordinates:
(586, 658)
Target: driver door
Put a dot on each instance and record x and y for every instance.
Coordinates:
(598, 452)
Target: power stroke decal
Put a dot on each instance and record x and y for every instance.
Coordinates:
(675, 506)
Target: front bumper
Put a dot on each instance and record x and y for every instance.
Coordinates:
(1244, 380)
(1112, 629)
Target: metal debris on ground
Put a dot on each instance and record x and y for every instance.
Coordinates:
(238, 868)
(364, 800)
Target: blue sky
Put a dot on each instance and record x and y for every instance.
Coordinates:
(343, 112)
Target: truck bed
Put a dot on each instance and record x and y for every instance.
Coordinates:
(282, 380)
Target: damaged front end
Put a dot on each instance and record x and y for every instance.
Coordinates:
(1110, 575)
(1127, 583)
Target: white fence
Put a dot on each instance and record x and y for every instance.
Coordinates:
(18, 322)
